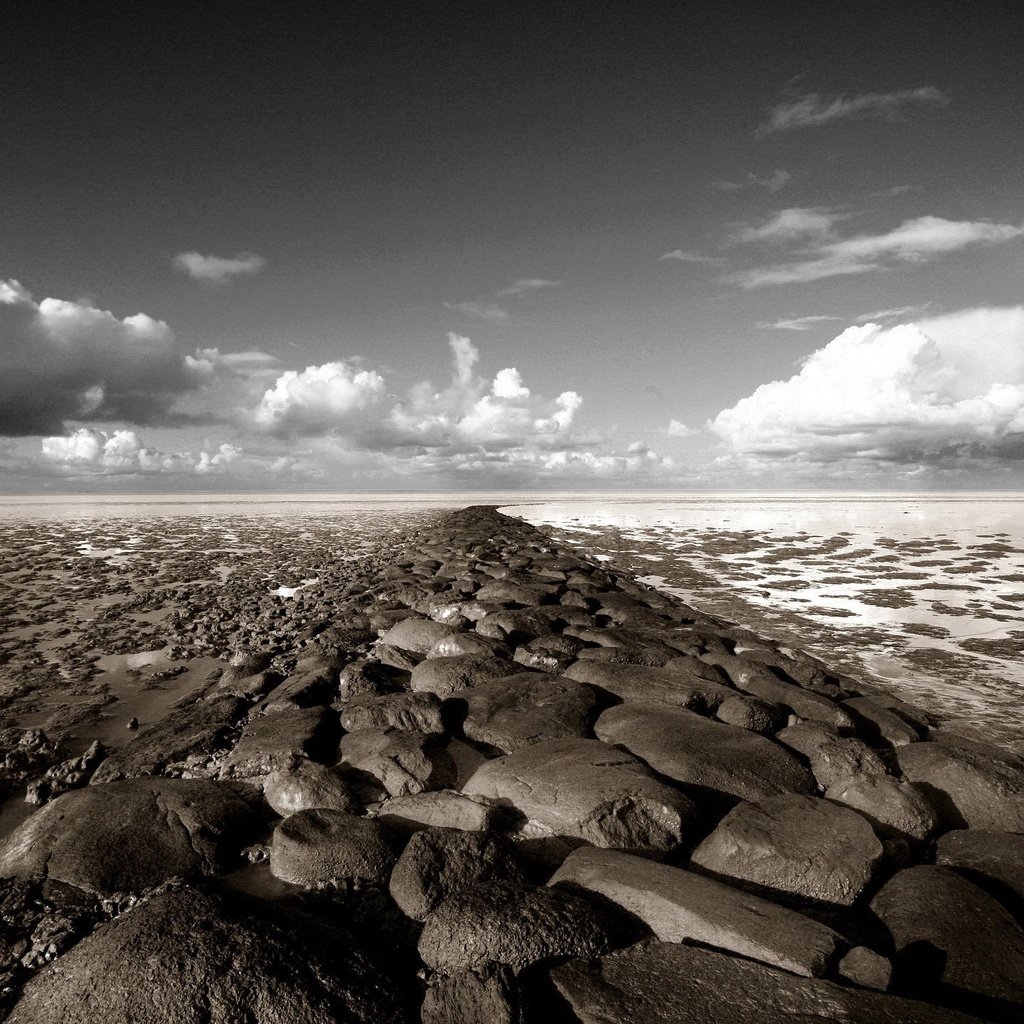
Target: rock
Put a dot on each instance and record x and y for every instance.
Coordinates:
(878, 724)
(796, 845)
(548, 654)
(314, 682)
(396, 658)
(680, 906)
(410, 712)
(365, 678)
(416, 634)
(438, 862)
(968, 788)
(640, 684)
(468, 643)
(525, 708)
(669, 983)
(757, 679)
(987, 857)
(322, 846)
(445, 676)
(203, 728)
(304, 785)
(512, 924)
(953, 941)
(489, 995)
(586, 790)
(705, 753)
(272, 741)
(130, 836)
(760, 716)
(194, 957)
(520, 625)
(520, 594)
(866, 968)
(443, 808)
(403, 762)
(894, 806)
(833, 759)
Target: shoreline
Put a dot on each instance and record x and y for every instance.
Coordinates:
(527, 777)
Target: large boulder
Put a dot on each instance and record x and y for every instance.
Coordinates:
(797, 846)
(402, 762)
(194, 957)
(589, 791)
(442, 808)
(897, 808)
(195, 731)
(513, 924)
(274, 740)
(645, 685)
(954, 941)
(416, 634)
(833, 758)
(681, 906)
(994, 859)
(320, 847)
(130, 836)
(305, 784)
(670, 983)
(705, 753)
(970, 788)
(439, 862)
(448, 675)
(879, 724)
(416, 712)
(525, 708)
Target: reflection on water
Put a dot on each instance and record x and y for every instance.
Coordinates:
(925, 593)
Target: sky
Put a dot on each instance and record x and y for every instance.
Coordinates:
(512, 246)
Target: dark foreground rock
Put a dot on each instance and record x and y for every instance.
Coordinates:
(195, 957)
(668, 983)
(131, 836)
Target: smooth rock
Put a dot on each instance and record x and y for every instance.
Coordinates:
(866, 968)
(273, 741)
(403, 762)
(526, 708)
(833, 759)
(760, 716)
(445, 676)
(549, 654)
(953, 941)
(512, 924)
(640, 684)
(796, 845)
(468, 643)
(894, 806)
(681, 906)
(194, 957)
(986, 856)
(416, 634)
(306, 784)
(879, 724)
(439, 862)
(443, 808)
(702, 752)
(968, 788)
(415, 712)
(322, 846)
(587, 790)
(670, 983)
(130, 836)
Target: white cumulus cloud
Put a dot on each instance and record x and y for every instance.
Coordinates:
(924, 392)
(87, 451)
(218, 269)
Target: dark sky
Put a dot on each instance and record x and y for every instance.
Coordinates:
(399, 166)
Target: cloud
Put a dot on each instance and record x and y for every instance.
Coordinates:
(795, 222)
(914, 241)
(527, 284)
(772, 182)
(814, 110)
(319, 399)
(691, 257)
(489, 311)
(98, 453)
(62, 360)
(800, 323)
(929, 393)
(892, 313)
(218, 269)
(679, 429)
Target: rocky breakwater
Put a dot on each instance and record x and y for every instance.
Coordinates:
(519, 787)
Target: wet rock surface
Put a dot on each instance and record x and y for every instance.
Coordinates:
(472, 775)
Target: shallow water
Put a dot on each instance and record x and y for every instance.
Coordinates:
(922, 593)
